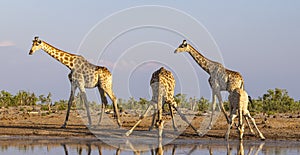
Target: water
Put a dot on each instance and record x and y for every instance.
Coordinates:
(78, 146)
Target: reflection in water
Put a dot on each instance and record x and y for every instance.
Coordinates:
(241, 151)
(188, 147)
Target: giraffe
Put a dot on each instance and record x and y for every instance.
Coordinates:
(162, 83)
(221, 79)
(83, 75)
(239, 99)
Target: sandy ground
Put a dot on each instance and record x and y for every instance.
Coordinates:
(20, 123)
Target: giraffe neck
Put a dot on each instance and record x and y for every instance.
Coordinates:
(64, 57)
(203, 62)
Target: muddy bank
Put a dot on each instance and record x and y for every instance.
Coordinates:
(15, 123)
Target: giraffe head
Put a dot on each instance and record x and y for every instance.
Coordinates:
(183, 47)
(36, 45)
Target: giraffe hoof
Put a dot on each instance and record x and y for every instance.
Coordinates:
(200, 134)
(128, 133)
(120, 125)
(63, 126)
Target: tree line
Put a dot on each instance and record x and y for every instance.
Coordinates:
(273, 101)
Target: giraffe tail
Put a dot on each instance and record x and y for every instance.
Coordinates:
(242, 85)
(250, 99)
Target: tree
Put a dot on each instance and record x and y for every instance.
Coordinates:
(278, 100)
(203, 104)
(181, 100)
(143, 103)
(6, 98)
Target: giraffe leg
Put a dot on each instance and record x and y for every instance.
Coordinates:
(232, 117)
(71, 99)
(186, 120)
(222, 106)
(104, 103)
(172, 116)
(241, 124)
(241, 148)
(153, 120)
(248, 123)
(114, 100)
(247, 114)
(140, 119)
(212, 110)
(84, 98)
(160, 122)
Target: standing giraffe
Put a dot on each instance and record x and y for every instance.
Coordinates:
(221, 79)
(239, 108)
(83, 75)
(162, 83)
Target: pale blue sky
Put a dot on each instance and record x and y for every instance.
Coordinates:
(260, 39)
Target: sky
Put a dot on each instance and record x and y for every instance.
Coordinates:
(259, 39)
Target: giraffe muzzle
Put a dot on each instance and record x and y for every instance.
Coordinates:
(30, 52)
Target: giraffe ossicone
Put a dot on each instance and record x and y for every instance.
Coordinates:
(83, 75)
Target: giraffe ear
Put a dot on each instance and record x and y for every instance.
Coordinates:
(39, 41)
(184, 43)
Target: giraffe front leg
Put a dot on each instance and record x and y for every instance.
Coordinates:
(222, 106)
(253, 121)
(84, 98)
(213, 107)
(249, 125)
(153, 119)
(140, 119)
(71, 99)
(186, 120)
(232, 117)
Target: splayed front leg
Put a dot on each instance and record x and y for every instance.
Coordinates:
(262, 137)
(232, 117)
(139, 121)
(71, 99)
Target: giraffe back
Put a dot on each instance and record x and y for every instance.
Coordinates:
(105, 77)
(164, 80)
(234, 81)
(238, 99)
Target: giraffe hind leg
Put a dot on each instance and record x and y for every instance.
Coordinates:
(222, 106)
(172, 116)
(153, 120)
(104, 104)
(112, 97)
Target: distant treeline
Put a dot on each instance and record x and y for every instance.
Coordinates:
(273, 101)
